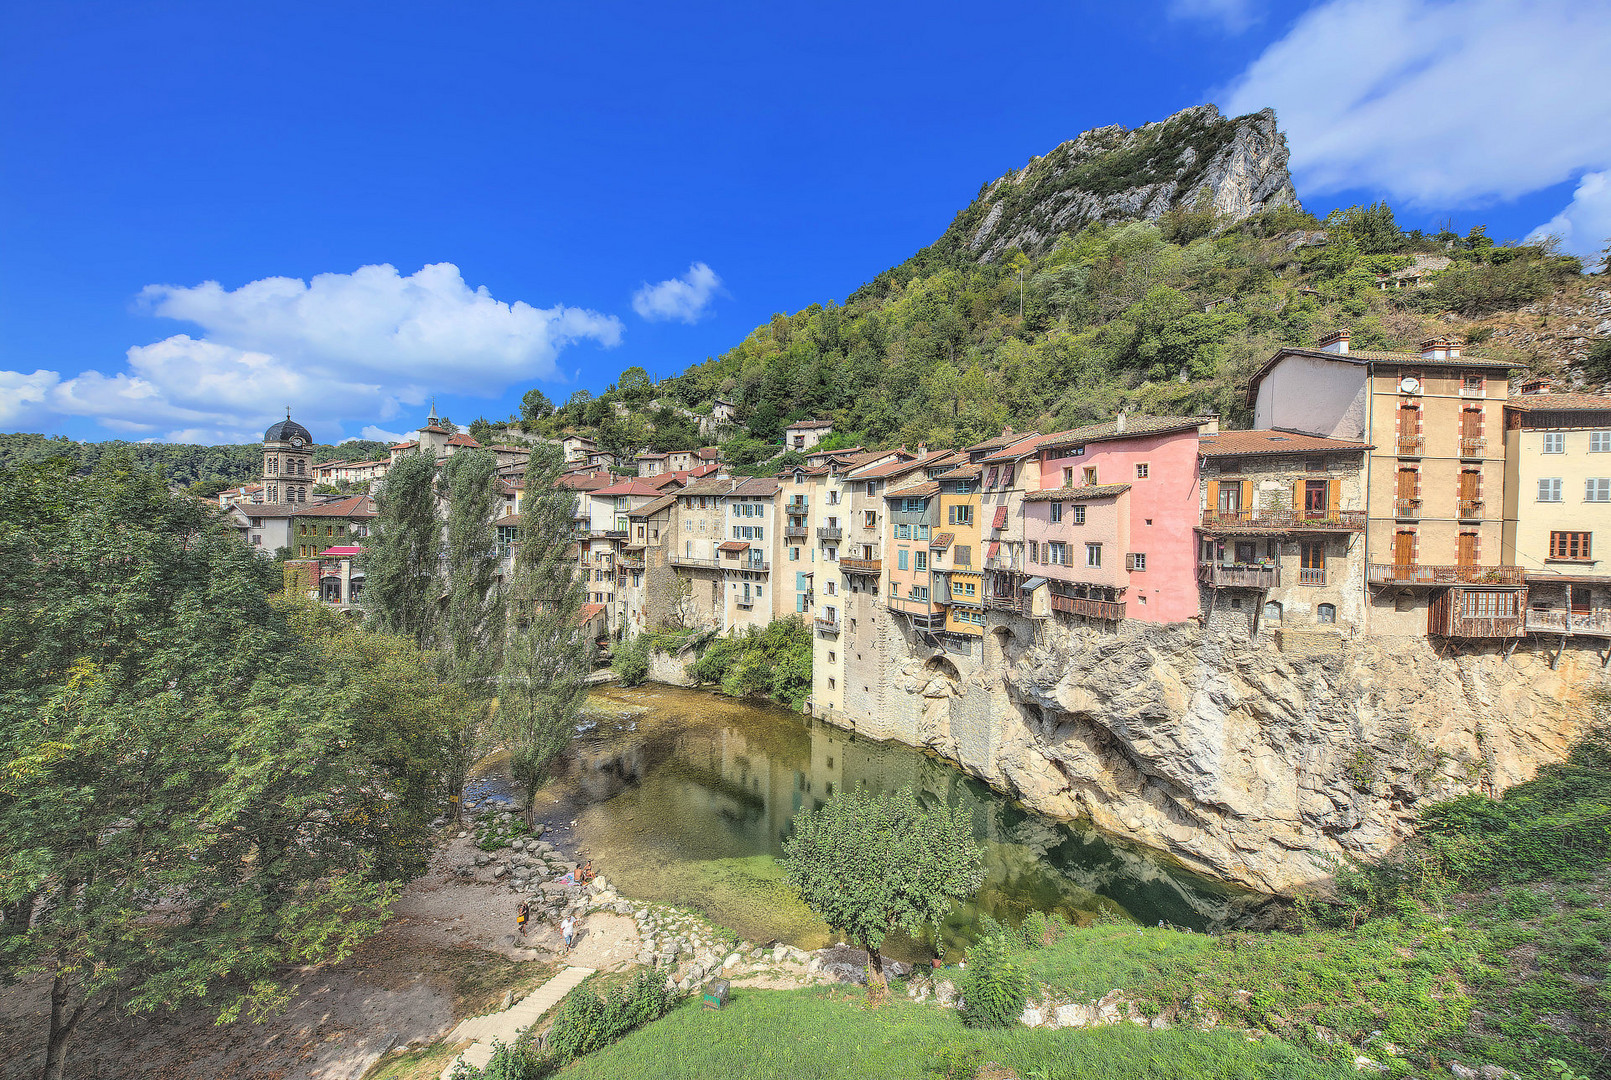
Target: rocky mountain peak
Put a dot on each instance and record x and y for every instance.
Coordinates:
(1196, 159)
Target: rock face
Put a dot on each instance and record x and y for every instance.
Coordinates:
(1254, 765)
(1196, 159)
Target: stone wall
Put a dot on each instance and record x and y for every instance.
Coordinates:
(671, 668)
(1257, 763)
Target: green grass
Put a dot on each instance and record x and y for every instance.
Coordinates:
(807, 1034)
(1083, 964)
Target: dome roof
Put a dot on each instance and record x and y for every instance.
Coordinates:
(286, 430)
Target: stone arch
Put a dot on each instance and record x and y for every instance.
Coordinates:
(943, 666)
(998, 645)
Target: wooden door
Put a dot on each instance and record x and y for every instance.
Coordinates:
(1470, 479)
(1408, 483)
(1467, 554)
(1403, 549)
(1470, 423)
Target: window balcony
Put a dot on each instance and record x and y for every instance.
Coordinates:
(1256, 521)
(1308, 575)
(1473, 446)
(796, 532)
(744, 602)
(1595, 622)
(695, 563)
(1407, 509)
(755, 566)
(830, 532)
(1234, 576)
(1470, 509)
(1474, 391)
(1110, 610)
(826, 626)
(1419, 574)
(861, 566)
(1411, 445)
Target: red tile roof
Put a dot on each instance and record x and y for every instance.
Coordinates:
(403, 445)
(942, 540)
(1020, 449)
(916, 491)
(1275, 441)
(1135, 426)
(1560, 403)
(808, 425)
(649, 509)
(461, 439)
(1064, 494)
(588, 613)
(353, 506)
(732, 545)
(630, 487)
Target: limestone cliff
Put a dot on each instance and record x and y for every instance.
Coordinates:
(1196, 158)
(1258, 766)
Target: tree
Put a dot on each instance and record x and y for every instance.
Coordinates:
(870, 864)
(481, 430)
(535, 406)
(635, 386)
(401, 572)
(472, 633)
(548, 655)
(193, 797)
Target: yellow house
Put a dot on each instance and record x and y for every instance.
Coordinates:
(1557, 524)
(957, 552)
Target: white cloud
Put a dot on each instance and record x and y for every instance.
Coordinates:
(684, 298)
(1233, 16)
(1438, 104)
(23, 397)
(375, 434)
(1584, 227)
(333, 349)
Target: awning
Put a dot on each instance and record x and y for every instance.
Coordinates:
(733, 545)
(995, 546)
(942, 541)
(1032, 584)
(1000, 519)
(341, 552)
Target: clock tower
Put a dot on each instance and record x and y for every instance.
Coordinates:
(287, 462)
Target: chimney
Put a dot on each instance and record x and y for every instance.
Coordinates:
(1007, 430)
(1118, 423)
(922, 448)
(1439, 349)
(1535, 386)
(1335, 342)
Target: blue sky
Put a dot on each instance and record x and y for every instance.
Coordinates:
(211, 211)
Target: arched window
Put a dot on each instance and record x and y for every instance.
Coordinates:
(1272, 611)
(1326, 613)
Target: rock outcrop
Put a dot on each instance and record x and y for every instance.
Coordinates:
(1195, 159)
(1257, 766)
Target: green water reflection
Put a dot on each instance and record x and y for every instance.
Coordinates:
(686, 797)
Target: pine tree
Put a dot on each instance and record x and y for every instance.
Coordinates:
(402, 578)
(472, 633)
(548, 654)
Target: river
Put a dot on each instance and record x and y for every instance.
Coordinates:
(685, 797)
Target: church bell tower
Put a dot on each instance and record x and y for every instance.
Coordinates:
(287, 462)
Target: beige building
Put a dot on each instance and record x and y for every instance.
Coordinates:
(1434, 482)
(804, 434)
(1557, 513)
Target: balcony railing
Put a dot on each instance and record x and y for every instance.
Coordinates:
(1310, 576)
(1091, 609)
(796, 532)
(1222, 576)
(1473, 391)
(744, 602)
(1472, 446)
(830, 532)
(826, 626)
(861, 566)
(1407, 509)
(1595, 621)
(695, 563)
(1470, 508)
(1417, 574)
(629, 564)
(795, 506)
(1285, 520)
(1411, 445)
(757, 566)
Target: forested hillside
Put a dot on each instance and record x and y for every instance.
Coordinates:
(216, 467)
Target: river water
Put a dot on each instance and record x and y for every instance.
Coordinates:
(685, 797)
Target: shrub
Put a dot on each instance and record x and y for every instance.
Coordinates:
(587, 1022)
(1036, 930)
(995, 987)
(632, 660)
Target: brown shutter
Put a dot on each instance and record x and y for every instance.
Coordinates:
(1333, 495)
(1212, 487)
(1247, 496)
(1297, 495)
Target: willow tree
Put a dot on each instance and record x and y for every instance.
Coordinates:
(471, 636)
(548, 655)
(402, 576)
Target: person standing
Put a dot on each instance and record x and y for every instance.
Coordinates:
(522, 917)
(568, 930)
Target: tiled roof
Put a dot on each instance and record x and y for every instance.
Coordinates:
(353, 506)
(942, 540)
(1020, 449)
(733, 545)
(1100, 491)
(629, 487)
(507, 449)
(343, 551)
(1006, 438)
(434, 430)
(895, 468)
(462, 439)
(403, 445)
(1560, 403)
(961, 472)
(756, 486)
(1274, 441)
(1365, 357)
(917, 491)
(506, 520)
(1135, 425)
(649, 509)
(652, 456)
(588, 613)
(662, 480)
(585, 481)
(708, 487)
(808, 425)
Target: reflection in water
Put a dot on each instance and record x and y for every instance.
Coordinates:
(687, 798)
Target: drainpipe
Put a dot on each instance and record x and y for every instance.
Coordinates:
(1370, 467)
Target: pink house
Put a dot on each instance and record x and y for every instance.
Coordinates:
(1112, 528)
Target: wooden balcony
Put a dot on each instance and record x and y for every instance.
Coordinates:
(861, 566)
(757, 567)
(1220, 576)
(1595, 622)
(1473, 446)
(830, 532)
(1411, 445)
(826, 626)
(1311, 576)
(1092, 609)
(695, 564)
(1418, 574)
(1278, 521)
(796, 532)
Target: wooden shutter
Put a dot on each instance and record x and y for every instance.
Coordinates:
(1212, 487)
(1403, 548)
(1298, 502)
(1247, 496)
(1333, 495)
(1468, 549)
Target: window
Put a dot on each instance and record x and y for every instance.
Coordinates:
(1489, 605)
(920, 560)
(1272, 611)
(794, 554)
(1549, 489)
(1569, 545)
(1600, 442)
(872, 489)
(903, 532)
(1057, 553)
(914, 506)
(1089, 478)
(1596, 490)
(1093, 555)
(1141, 470)
(869, 519)
(1555, 442)
(1068, 476)
(1056, 512)
(1034, 551)
(1326, 613)
(1472, 384)
(901, 559)
(1136, 560)
(831, 683)
(959, 514)
(921, 533)
(1079, 513)
(963, 555)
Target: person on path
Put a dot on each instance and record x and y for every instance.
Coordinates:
(586, 874)
(522, 916)
(568, 929)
